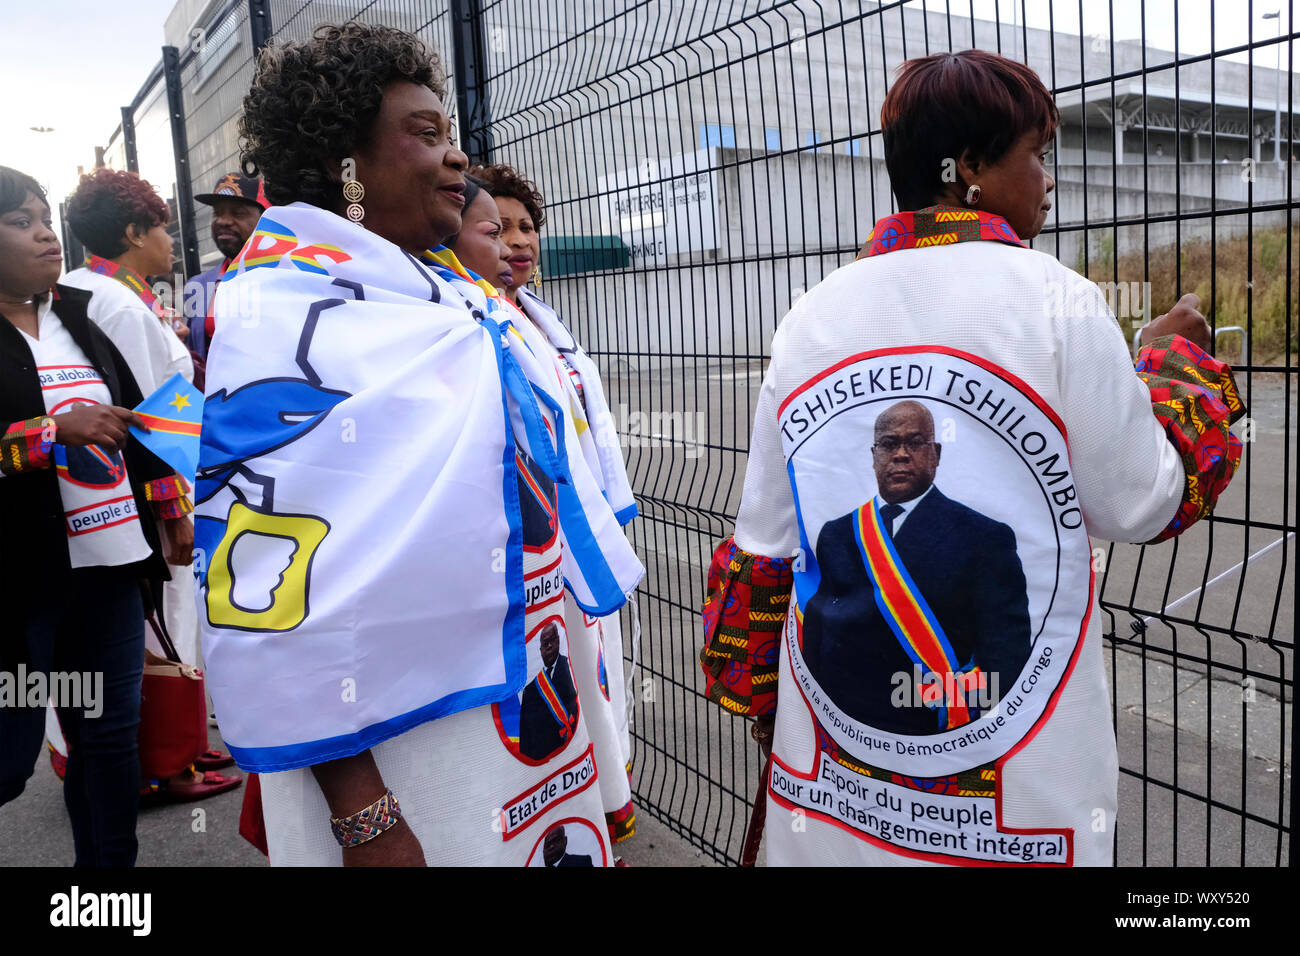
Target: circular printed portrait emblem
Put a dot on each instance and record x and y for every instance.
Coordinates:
(571, 842)
(540, 721)
(943, 580)
(87, 465)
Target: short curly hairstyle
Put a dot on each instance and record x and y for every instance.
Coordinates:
(106, 202)
(311, 104)
(502, 180)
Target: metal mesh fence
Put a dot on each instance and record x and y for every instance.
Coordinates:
(736, 149)
(730, 153)
(215, 74)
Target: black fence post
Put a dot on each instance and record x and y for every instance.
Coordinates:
(180, 146)
(469, 54)
(1295, 751)
(74, 253)
(128, 139)
(259, 24)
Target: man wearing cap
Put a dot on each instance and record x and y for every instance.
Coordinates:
(237, 202)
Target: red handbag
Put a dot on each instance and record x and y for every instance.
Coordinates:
(173, 713)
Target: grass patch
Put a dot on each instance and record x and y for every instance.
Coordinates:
(1249, 285)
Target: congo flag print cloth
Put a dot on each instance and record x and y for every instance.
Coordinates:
(358, 522)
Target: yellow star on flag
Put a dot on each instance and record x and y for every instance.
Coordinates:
(180, 401)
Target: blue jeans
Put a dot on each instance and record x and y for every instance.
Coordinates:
(92, 622)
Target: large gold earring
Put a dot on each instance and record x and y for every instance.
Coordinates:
(536, 277)
(354, 192)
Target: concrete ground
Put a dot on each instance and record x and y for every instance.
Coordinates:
(205, 833)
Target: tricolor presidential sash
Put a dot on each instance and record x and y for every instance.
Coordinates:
(535, 491)
(358, 521)
(551, 697)
(913, 623)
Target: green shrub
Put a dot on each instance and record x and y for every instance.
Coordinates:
(1255, 300)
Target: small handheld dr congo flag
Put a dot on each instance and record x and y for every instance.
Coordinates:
(174, 415)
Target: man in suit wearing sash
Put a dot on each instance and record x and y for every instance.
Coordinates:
(555, 851)
(548, 712)
(955, 569)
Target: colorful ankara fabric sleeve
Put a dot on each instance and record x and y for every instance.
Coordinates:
(621, 823)
(1195, 398)
(169, 497)
(744, 614)
(25, 447)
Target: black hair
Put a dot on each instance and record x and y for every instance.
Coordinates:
(473, 187)
(14, 188)
(506, 182)
(312, 103)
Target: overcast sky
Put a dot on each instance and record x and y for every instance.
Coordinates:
(71, 65)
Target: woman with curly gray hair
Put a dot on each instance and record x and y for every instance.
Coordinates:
(392, 509)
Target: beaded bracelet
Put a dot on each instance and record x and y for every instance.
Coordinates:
(365, 825)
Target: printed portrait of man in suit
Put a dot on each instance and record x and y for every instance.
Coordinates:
(555, 850)
(548, 712)
(948, 577)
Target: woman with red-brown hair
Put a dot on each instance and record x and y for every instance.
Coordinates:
(122, 222)
(906, 603)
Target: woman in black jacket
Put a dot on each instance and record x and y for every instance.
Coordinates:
(86, 514)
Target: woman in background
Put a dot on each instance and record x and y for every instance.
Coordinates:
(122, 222)
(521, 212)
(95, 513)
(479, 245)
